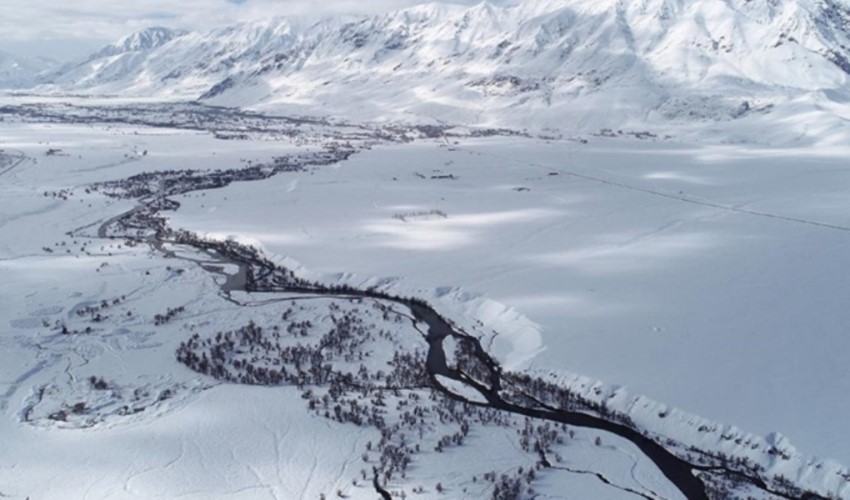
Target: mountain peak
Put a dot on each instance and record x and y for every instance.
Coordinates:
(602, 61)
(16, 71)
(146, 39)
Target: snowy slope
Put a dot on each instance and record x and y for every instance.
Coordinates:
(21, 72)
(116, 63)
(564, 64)
(144, 40)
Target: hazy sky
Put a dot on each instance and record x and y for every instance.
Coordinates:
(67, 29)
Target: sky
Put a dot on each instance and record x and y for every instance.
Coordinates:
(66, 30)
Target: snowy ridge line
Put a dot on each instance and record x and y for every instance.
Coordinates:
(609, 64)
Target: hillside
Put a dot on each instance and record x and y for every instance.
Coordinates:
(18, 71)
(570, 65)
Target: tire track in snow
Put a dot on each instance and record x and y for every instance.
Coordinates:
(667, 195)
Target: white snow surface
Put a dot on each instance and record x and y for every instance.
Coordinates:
(572, 65)
(22, 72)
(698, 276)
(667, 238)
(184, 434)
(702, 270)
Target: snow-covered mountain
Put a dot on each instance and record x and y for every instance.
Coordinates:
(141, 41)
(119, 63)
(21, 72)
(574, 64)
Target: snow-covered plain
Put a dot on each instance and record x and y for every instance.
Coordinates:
(641, 272)
(705, 277)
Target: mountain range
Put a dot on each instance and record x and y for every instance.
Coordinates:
(18, 72)
(561, 64)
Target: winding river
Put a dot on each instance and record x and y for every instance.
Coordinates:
(250, 265)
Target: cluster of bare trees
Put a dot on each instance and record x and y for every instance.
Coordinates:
(539, 438)
(61, 194)
(98, 383)
(337, 384)
(170, 313)
(174, 182)
(95, 314)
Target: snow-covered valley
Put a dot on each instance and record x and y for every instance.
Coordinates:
(525, 250)
(638, 275)
(659, 261)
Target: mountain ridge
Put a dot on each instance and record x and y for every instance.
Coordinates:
(16, 71)
(598, 63)
(146, 39)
